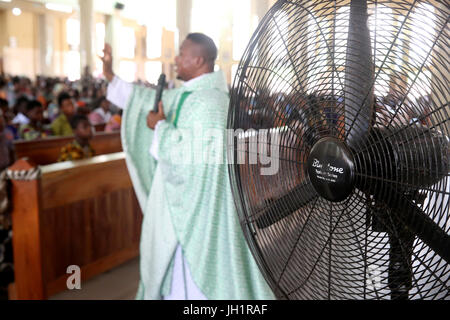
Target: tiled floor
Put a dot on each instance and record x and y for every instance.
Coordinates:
(120, 283)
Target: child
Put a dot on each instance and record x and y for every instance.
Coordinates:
(80, 147)
(115, 123)
(35, 128)
(102, 113)
(61, 125)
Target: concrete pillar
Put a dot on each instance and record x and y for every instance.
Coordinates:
(271, 3)
(112, 35)
(184, 13)
(87, 32)
(259, 9)
(46, 26)
(3, 35)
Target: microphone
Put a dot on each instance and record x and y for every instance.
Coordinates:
(159, 90)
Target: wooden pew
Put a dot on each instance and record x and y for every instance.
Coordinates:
(46, 151)
(99, 127)
(82, 213)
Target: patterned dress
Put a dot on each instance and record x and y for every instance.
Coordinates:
(74, 151)
(28, 132)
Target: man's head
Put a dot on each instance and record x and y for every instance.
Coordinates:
(4, 106)
(21, 105)
(2, 122)
(16, 83)
(2, 83)
(197, 56)
(103, 103)
(81, 127)
(8, 115)
(35, 112)
(65, 104)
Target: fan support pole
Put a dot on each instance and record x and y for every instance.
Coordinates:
(400, 264)
(401, 242)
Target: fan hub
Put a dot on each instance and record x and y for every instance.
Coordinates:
(331, 169)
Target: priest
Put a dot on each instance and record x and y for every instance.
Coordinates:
(192, 246)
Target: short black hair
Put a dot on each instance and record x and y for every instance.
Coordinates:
(99, 101)
(63, 96)
(76, 119)
(21, 104)
(209, 49)
(22, 100)
(3, 103)
(33, 104)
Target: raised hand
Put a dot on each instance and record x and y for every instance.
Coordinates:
(107, 62)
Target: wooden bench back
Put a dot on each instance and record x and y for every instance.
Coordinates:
(46, 151)
(81, 213)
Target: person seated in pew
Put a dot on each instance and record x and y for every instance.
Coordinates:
(6, 146)
(6, 159)
(35, 129)
(61, 125)
(10, 130)
(79, 148)
(3, 88)
(101, 114)
(19, 110)
(115, 123)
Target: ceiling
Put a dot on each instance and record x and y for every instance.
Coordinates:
(134, 9)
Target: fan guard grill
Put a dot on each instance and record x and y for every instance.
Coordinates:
(291, 80)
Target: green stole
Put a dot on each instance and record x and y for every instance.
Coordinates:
(183, 98)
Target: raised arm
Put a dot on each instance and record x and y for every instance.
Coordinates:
(107, 63)
(118, 91)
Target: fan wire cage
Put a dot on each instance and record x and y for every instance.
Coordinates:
(339, 161)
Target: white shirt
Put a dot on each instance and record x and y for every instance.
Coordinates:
(106, 116)
(21, 119)
(119, 93)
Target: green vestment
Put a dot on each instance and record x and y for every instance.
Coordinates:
(188, 202)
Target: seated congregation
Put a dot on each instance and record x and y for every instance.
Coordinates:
(52, 108)
(42, 126)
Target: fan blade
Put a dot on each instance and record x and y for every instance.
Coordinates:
(359, 74)
(416, 156)
(307, 120)
(286, 205)
(417, 221)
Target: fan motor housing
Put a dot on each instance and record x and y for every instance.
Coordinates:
(331, 169)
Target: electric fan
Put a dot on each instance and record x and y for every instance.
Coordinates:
(349, 100)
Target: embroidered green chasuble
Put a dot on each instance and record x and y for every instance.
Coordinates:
(187, 200)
